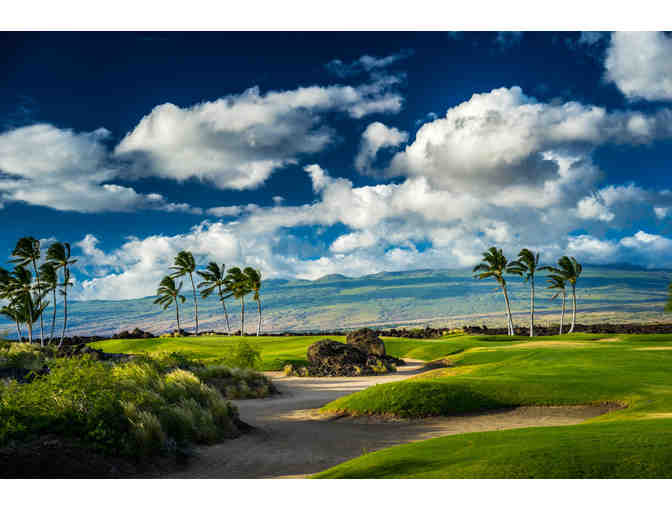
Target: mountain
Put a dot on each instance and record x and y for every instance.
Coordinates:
(409, 298)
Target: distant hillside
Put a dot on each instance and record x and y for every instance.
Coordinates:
(411, 298)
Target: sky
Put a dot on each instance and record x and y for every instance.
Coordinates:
(310, 153)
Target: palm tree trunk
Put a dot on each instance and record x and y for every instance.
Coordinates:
(195, 301)
(39, 287)
(177, 315)
(18, 331)
(53, 320)
(226, 315)
(242, 316)
(532, 307)
(562, 317)
(29, 322)
(508, 311)
(259, 325)
(65, 311)
(571, 330)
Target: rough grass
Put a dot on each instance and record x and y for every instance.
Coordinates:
(633, 442)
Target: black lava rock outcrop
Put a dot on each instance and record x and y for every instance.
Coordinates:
(364, 354)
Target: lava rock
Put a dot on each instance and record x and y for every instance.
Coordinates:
(367, 341)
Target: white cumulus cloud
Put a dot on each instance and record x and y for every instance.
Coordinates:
(640, 65)
(377, 136)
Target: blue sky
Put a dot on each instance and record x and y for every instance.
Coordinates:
(312, 153)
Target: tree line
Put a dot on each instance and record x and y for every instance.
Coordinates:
(495, 265)
(235, 282)
(27, 288)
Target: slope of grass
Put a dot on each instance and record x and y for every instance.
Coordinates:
(571, 369)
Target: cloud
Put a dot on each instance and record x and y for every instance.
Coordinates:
(640, 65)
(365, 64)
(385, 226)
(377, 136)
(507, 143)
(661, 212)
(68, 171)
(231, 210)
(236, 142)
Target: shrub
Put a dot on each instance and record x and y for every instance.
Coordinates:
(138, 408)
(242, 355)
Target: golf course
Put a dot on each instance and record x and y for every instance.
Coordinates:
(480, 378)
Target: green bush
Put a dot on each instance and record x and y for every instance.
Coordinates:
(241, 355)
(137, 408)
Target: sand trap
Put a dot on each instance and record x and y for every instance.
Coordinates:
(524, 344)
(669, 348)
(613, 339)
(292, 439)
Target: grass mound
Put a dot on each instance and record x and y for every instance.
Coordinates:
(485, 373)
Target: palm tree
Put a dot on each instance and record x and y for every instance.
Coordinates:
(49, 277)
(495, 265)
(214, 278)
(569, 270)
(237, 285)
(184, 264)
(20, 291)
(254, 284)
(59, 255)
(557, 282)
(27, 251)
(167, 293)
(527, 265)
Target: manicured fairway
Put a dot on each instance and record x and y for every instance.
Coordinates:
(634, 370)
(276, 351)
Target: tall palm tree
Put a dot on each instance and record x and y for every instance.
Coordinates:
(214, 278)
(557, 282)
(58, 254)
(168, 293)
(237, 285)
(27, 251)
(495, 265)
(527, 265)
(570, 270)
(183, 264)
(49, 277)
(254, 284)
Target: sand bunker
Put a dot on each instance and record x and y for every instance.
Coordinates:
(292, 439)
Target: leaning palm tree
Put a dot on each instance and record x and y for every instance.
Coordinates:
(570, 270)
(237, 286)
(214, 278)
(49, 277)
(167, 294)
(526, 266)
(254, 284)
(183, 264)
(27, 251)
(12, 311)
(58, 254)
(495, 265)
(20, 291)
(557, 282)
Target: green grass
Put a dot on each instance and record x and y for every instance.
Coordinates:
(491, 373)
(275, 351)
